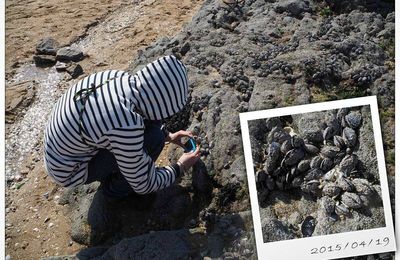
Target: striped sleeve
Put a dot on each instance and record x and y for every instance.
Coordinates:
(135, 164)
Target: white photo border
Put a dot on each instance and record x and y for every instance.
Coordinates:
(301, 248)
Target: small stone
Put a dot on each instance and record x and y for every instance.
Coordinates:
(70, 243)
(36, 229)
(46, 220)
(8, 257)
(24, 245)
(61, 66)
(46, 195)
(48, 46)
(51, 225)
(75, 70)
(44, 60)
(69, 54)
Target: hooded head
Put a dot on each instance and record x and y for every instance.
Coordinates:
(161, 88)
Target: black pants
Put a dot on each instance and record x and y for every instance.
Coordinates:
(103, 166)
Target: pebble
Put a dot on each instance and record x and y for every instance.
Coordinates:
(36, 229)
(46, 195)
(8, 257)
(18, 178)
(51, 225)
(46, 219)
(24, 245)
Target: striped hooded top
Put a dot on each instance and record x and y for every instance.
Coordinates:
(113, 119)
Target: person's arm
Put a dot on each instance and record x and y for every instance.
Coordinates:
(136, 165)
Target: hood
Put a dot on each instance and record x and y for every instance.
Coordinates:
(161, 88)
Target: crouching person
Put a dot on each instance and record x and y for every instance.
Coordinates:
(107, 128)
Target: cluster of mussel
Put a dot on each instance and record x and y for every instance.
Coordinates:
(321, 164)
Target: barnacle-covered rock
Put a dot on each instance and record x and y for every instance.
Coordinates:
(314, 136)
(351, 200)
(331, 175)
(304, 165)
(328, 204)
(273, 122)
(297, 182)
(342, 210)
(330, 151)
(342, 112)
(331, 190)
(328, 133)
(339, 141)
(297, 141)
(349, 136)
(311, 149)
(277, 134)
(353, 119)
(273, 151)
(348, 164)
(345, 184)
(293, 156)
(363, 187)
(286, 146)
(313, 174)
(316, 162)
(311, 187)
(326, 164)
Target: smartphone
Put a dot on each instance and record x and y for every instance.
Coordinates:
(190, 145)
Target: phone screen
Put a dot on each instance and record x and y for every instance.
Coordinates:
(190, 145)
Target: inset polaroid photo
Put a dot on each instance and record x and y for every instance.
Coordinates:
(317, 180)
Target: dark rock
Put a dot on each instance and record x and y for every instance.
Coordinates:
(44, 60)
(158, 245)
(47, 46)
(74, 69)
(293, 7)
(69, 54)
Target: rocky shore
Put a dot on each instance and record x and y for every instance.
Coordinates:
(240, 57)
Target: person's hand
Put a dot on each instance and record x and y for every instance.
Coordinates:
(187, 160)
(176, 137)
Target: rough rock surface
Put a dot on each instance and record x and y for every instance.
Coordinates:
(20, 96)
(284, 209)
(257, 56)
(47, 46)
(44, 60)
(69, 54)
